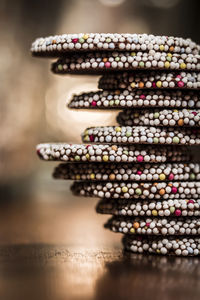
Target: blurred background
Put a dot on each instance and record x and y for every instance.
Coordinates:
(33, 101)
(34, 208)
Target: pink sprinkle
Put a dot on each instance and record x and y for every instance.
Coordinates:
(91, 138)
(171, 176)
(178, 76)
(143, 97)
(140, 158)
(153, 84)
(174, 190)
(107, 64)
(194, 113)
(139, 172)
(147, 224)
(94, 103)
(177, 212)
(180, 83)
(74, 41)
(191, 201)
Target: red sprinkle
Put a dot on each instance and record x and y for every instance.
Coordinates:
(143, 97)
(171, 176)
(153, 84)
(75, 41)
(94, 103)
(91, 138)
(140, 158)
(194, 113)
(177, 212)
(180, 83)
(107, 64)
(148, 224)
(174, 190)
(191, 201)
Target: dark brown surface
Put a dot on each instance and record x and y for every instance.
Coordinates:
(59, 250)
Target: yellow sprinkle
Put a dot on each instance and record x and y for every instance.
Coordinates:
(87, 156)
(158, 251)
(86, 132)
(118, 129)
(154, 212)
(159, 84)
(133, 54)
(105, 158)
(169, 54)
(183, 66)
(124, 189)
(92, 176)
(86, 36)
(86, 138)
(78, 177)
(132, 230)
(162, 47)
(167, 64)
(133, 85)
(162, 176)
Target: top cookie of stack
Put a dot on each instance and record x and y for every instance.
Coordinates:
(95, 52)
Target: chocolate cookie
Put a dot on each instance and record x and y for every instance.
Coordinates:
(137, 190)
(178, 246)
(112, 153)
(158, 117)
(154, 226)
(141, 135)
(136, 99)
(150, 208)
(150, 80)
(128, 172)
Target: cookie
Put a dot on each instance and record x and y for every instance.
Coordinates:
(158, 117)
(58, 45)
(150, 80)
(150, 208)
(154, 226)
(136, 99)
(101, 62)
(141, 135)
(178, 246)
(128, 172)
(111, 153)
(137, 190)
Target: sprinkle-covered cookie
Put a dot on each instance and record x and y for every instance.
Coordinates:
(58, 45)
(101, 62)
(138, 98)
(137, 190)
(157, 117)
(141, 135)
(178, 246)
(150, 208)
(154, 226)
(128, 172)
(112, 153)
(150, 80)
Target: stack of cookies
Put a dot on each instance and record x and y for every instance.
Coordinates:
(142, 169)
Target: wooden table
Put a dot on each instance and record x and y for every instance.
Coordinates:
(58, 249)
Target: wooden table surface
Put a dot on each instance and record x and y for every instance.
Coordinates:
(60, 250)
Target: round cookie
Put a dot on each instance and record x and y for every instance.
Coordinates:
(178, 246)
(111, 153)
(138, 98)
(128, 172)
(150, 80)
(137, 190)
(141, 135)
(101, 62)
(150, 208)
(58, 45)
(154, 226)
(158, 117)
